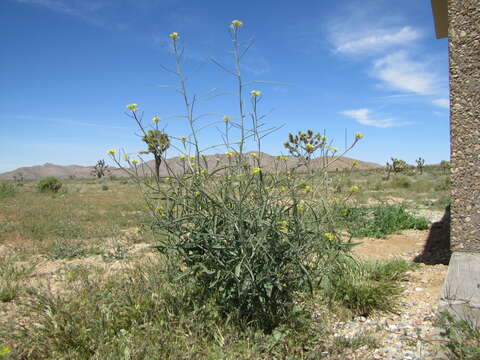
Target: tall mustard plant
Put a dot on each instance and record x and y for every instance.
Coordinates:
(251, 238)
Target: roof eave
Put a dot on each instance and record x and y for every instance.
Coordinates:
(440, 16)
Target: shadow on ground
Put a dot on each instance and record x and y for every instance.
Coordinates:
(437, 247)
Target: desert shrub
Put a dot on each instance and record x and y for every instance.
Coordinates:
(462, 337)
(7, 189)
(140, 313)
(442, 184)
(249, 239)
(366, 286)
(49, 184)
(401, 181)
(10, 274)
(378, 221)
(71, 249)
(105, 187)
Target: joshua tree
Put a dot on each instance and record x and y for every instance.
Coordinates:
(420, 164)
(398, 165)
(100, 169)
(157, 142)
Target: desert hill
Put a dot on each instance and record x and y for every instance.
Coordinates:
(175, 164)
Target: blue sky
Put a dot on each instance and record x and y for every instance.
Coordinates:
(69, 67)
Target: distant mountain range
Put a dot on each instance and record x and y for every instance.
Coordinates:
(176, 164)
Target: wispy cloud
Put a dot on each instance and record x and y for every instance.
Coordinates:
(442, 102)
(398, 71)
(63, 121)
(373, 40)
(85, 10)
(363, 116)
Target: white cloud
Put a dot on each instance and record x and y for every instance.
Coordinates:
(88, 11)
(374, 40)
(363, 116)
(442, 102)
(400, 72)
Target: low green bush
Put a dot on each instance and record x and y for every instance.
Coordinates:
(10, 274)
(379, 221)
(366, 286)
(462, 337)
(49, 184)
(7, 189)
(71, 249)
(141, 313)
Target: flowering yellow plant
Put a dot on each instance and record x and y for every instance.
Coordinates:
(156, 119)
(227, 118)
(255, 93)
(283, 226)
(358, 136)
(256, 170)
(354, 188)
(329, 236)
(235, 24)
(134, 162)
(174, 36)
(132, 107)
(125, 157)
(111, 152)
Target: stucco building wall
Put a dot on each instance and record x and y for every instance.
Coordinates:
(464, 52)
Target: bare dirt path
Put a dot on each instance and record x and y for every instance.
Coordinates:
(402, 336)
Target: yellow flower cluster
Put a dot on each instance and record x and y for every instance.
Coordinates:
(235, 24)
(182, 157)
(156, 119)
(256, 170)
(255, 93)
(329, 236)
(307, 189)
(111, 152)
(358, 136)
(4, 350)
(125, 157)
(227, 119)
(132, 107)
(174, 36)
(253, 154)
(229, 154)
(354, 188)
(282, 226)
(134, 162)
